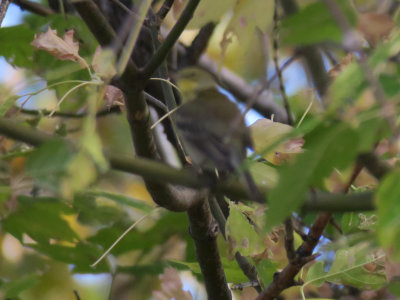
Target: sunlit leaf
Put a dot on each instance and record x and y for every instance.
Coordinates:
(207, 11)
(241, 235)
(47, 164)
(266, 133)
(352, 266)
(15, 46)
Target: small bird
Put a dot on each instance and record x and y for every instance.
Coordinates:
(215, 136)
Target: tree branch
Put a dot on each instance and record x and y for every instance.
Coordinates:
(198, 45)
(44, 112)
(3, 9)
(245, 265)
(34, 7)
(162, 52)
(265, 104)
(204, 231)
(164, 10)
(160, 172)
(96, 22)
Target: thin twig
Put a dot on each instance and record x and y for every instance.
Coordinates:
(120, 238)
(77, 295)
(277, 68)
(123, 6)
(135, 23)
(3, 9)
(172, 37)
(34, 7)
(198, 45)
(44, 112)
(164, 10)
(204, 232)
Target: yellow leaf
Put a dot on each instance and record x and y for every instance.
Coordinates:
(266, 132)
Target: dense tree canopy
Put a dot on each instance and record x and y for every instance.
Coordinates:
(115, 185)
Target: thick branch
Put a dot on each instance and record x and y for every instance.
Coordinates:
(373, 164)
(96, 22)
(167, 196)
(160, 172)
(204, 231)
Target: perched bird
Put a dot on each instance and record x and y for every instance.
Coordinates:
(215, 136)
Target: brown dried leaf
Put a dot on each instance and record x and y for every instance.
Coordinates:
(171, 287)
(375, 26)
(61, 48)
(113, 96)
(336, 70)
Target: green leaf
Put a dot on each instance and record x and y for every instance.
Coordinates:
(327, 147)
(266, 270)
(240, 234)
(316, 274)
(47, 164)
(13, 288)
(5, 193)
(232, 271)
(390, 84)
(15, 45)
(348, 85)
(81, 256)
(388, 211)
(41, 219)
(350, 267)
(355, 222)
(80, 173)
(90, 212)
(314, 24)
(351, 81)
(394, 288)
(372, 130)
(169, 224)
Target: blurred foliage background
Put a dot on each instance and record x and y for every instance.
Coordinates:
(61, 208)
